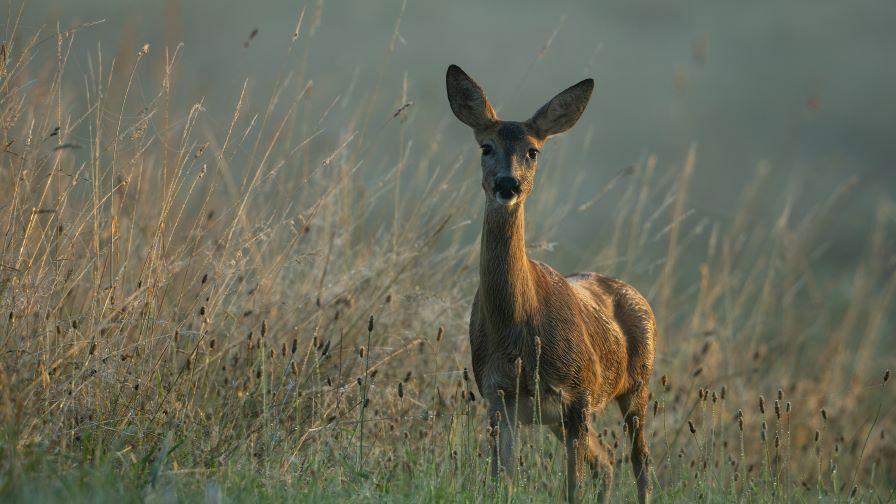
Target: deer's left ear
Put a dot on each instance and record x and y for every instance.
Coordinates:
(562, 112)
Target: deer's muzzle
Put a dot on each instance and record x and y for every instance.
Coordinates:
(507, 189)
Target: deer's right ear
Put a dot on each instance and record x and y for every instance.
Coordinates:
(468, 101)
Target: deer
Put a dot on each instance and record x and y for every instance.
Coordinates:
(547, 348)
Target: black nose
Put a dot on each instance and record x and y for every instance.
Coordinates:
(507, 187)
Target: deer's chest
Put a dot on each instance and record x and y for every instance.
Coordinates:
(512, 381)
(508, 360)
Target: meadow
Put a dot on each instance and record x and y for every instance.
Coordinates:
(274, 306)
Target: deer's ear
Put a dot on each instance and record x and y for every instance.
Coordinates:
(468, 101)
(562, 112)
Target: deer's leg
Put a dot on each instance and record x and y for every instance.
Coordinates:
(578, 445)
(634, 410)
(503, 435)
(598, 459)
(601, 467)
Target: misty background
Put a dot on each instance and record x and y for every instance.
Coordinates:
(804, 88)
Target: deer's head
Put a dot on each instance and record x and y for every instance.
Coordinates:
(510, 149)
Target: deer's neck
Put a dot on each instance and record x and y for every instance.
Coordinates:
(507, 288)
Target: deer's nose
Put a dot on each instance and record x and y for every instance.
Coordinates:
(507, 187)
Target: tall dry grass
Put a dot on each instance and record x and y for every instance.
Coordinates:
(258, 308)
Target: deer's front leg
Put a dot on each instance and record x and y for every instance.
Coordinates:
(577, 447)
(503, 436)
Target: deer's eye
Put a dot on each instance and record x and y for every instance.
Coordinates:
(532, 153)
(486, 149)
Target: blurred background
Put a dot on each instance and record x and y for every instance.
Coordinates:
(803, 88)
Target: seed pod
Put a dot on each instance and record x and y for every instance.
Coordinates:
(466, 375)
(400, 390)
(824, 414)
(370, 324)
(691, 427)
(886, 376)
(762, 405)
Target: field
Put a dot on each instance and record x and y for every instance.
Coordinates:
(272, 305)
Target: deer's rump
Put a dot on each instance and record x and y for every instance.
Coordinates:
(631, 314)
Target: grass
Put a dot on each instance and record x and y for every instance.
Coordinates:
(263, 309)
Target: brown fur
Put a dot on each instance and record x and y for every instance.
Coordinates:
(590, 337)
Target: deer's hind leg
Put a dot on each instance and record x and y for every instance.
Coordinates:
(634, 409)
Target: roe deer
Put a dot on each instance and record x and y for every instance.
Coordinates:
(548, 348)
